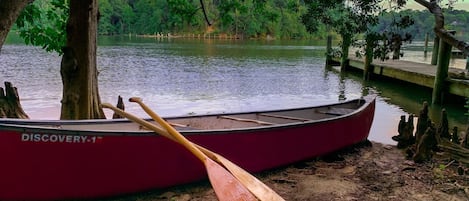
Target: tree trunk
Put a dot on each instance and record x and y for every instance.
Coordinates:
(10, 106)
(439, 28)
(9, 12)
(80, 98)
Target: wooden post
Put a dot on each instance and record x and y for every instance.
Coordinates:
(436, 48)
(329, 52)
(467, 62)
(441, 72)
(344, 61)
(120, 105)
(425, 50)
(368, 68)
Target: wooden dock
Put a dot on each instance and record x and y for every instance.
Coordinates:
(416, 73)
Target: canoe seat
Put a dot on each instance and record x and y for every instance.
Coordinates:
(336, 111)
(285, 117)
(247, 120)
(175, 125)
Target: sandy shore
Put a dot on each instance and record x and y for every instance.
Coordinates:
(366, 172)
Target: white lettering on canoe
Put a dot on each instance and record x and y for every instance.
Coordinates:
(54, 138)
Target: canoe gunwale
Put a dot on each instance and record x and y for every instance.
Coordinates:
(53, 126)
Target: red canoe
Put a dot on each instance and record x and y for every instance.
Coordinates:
(51, 160)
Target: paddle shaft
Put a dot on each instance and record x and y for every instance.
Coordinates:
(259, 189)
(177, 138)
(225, 185)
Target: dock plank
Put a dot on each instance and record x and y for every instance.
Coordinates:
(417, 73)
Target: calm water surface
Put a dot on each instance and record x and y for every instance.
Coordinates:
(180, 77)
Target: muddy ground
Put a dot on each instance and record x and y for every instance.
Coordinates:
(366, 172)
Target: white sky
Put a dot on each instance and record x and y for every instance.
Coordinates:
(460, 5)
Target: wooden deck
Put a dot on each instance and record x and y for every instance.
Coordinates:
(413, 72)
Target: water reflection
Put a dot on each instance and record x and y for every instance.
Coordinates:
(399, 98)
(180, 77)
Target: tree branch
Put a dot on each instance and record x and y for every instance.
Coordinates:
(439, 28)
(205, 13)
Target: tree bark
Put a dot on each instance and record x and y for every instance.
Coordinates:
(10, 106)
(80, 98)
(9, 12)
(439, 28)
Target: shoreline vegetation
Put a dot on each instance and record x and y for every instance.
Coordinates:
(193, 36)
(247, 20)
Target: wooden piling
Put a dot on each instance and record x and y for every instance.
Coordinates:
(368, 68)
(467, 62)
(329, 51)
(425, 50)
(120, 105)
(436, 48)
(444, 57)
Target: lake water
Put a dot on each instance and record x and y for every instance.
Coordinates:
(180, 77)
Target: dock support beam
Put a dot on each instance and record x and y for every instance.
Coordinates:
(329, 52)
(439, 87)
(467, 62)
(368, 68)
(436, 48)
(425, 50)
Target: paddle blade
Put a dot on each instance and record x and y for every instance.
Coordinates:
(256, 187)
(259, 189)
(225, 185)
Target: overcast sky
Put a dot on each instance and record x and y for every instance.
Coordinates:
(461, 5)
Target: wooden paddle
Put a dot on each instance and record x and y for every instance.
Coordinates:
(259, 189)
(225, 185)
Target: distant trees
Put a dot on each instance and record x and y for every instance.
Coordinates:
(423, 22)
(439, 26)
(279, 19)
(247, 18)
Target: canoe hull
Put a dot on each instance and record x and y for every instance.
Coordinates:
(43, 164)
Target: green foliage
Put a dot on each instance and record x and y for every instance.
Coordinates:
(43, 23)
(347, 18)
(249, 18)
(116, 16)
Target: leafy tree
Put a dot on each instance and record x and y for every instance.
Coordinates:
(229, 14)
(42, 23)
(117, 16)
(105, 25)
(346, 18)
(184, 13)
(151, 16)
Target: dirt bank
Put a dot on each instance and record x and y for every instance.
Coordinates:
(377, 172)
